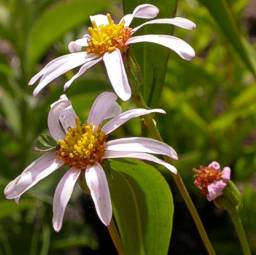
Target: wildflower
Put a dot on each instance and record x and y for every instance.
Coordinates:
(211, 181)
(108, 42)
(83, 147)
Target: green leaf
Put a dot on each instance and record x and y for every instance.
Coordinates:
(246, 97)
(143, 207)
(223, 16)
(11, 112)
(56, 21)
(189, 113)
(151, 57)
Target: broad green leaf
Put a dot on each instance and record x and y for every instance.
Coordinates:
(143, 207)
(151, 57)
(223, 16)
(56, 21)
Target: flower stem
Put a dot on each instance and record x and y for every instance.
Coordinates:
(150, 125)
(234, 215)
(115, 237)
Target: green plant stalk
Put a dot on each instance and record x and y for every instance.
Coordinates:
(115, 237)
(150, 125)
(113, 232)
(234, 215)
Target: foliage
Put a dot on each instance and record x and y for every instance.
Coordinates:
(211, 115)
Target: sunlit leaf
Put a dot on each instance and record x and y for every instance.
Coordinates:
(152, 58)
(56, 21)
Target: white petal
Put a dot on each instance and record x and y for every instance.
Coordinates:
(141, 144)
(51, 66)
(143, 156)
(177, 21)
(99, 19)
(55, 128)
(68, 118)
(143, 11)
(69, 62)
(62, 195)
(113, 111)
(183, 49)
(81, 71)
(120, 119)
(77, 45)
(34, 173)
(101, 108)
(117, 74)
(97, 183)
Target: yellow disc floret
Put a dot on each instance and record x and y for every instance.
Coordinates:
(83, 145)
(107, 38)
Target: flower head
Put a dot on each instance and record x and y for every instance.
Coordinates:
(82, 147)
(211, 180)
(107, 41)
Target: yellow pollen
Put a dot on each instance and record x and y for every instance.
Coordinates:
(107, 38)
(83, 145)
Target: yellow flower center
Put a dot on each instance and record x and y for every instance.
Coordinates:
(83, 145)
(107, 38)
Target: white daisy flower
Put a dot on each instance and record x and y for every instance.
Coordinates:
(107, 42)
(83, 147)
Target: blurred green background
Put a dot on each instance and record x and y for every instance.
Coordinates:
(211, 115)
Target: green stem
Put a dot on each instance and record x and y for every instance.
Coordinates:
(115, 237)
(234, 215)
(149, 123)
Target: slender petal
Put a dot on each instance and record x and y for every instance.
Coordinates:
(101, 108)
(97, 183)
(77, 45)
(51, 66)
(183, 49)
(141, 144)
(35, 172)
(68, 118)
(117, 74)
(143, 11)
(70, 61)
(62, 195)
(177, 21)
(99, 19)
(143, 156)
(55, 128)
(226, 172)
(81, 71)
(114, 110)
(120, 119)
